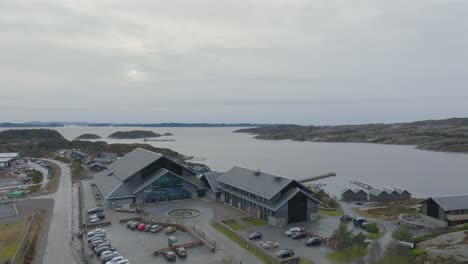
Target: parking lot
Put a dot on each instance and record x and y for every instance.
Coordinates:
(138, 246)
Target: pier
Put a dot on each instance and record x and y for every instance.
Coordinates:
(330, 174)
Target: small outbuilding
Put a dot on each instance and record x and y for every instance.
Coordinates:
(358, 195)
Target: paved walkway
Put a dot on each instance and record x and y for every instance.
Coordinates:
(59, 237)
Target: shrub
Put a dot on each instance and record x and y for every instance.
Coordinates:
(373, 228)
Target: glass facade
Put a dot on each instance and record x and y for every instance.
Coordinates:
(167, 188)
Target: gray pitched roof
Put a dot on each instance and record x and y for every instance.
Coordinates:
(375, 191)
(399, 190)
(212, 178)
(133, 162)
(455, 202)
(106, 182)
(263, 184)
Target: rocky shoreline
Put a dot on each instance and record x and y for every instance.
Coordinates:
(448, 135)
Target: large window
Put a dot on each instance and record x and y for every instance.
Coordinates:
(167, 188)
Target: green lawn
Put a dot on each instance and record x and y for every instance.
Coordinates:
(235, 225)
(305, 261)
(330, 212)
(394, 260)
(255, 221)
(347, 255)
(242, 243)
(10, 238)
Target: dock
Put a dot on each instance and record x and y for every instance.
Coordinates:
(362, 185)
(315, 178)
(169, 140)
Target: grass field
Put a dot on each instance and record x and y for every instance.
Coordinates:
(333, 213)
(28, 250)
(255, 221)
(347, 255)
(242, 243)
(52, 185)
(305, 261)
(235, 225)
(10, 238)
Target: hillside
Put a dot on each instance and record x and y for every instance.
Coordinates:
(29, 135)
(450, 135)
(134, 134)
(88, 136)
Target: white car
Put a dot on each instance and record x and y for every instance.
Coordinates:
(114, 260)
(293, 230)
(108, 253)
(94, 220)
(96, 231)
(269, 244)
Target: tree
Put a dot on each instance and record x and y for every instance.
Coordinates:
(359, 240)
(402, 234)
(343, 236)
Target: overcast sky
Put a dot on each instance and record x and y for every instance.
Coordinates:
(264, 61)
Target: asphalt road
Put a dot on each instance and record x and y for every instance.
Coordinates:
(58, 240)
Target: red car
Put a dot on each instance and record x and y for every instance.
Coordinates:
(141, 227)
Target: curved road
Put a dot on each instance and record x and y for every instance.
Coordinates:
(59, 237)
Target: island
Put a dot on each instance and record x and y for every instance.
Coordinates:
(88, 136)
(448, 135)
(168, 134)
(134, 134)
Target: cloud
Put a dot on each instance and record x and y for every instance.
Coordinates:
(235, 54)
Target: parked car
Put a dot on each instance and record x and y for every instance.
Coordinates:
(94, 220)
(108, 255)
(346, 218)
(170, 230)
(100, 215)
(104, 244)
(97, 242)
(95, 232)
(95, 210)
(134, 225)
(313, 241)
(293, 230)
(169, 255)
(100, 250)
(96, 237)
(269, 244)
(148, 228)
(129, 223)
(364, 225)
(255, 236)
(299, 235)
(115, 260)
(123, 261)
(359, 221)
(284, 253)
(141, 227)
(156, 228)
(181, 252)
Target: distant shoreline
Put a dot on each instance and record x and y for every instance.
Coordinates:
(85, 124)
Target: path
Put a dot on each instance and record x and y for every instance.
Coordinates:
(59, 237)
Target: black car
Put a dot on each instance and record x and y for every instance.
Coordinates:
(95, 210)
(181, 252)
(298, 235)
(284, 253)
(359, 221)
(313, 241)
(346, 218)
(255, 236)
(169, 255)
